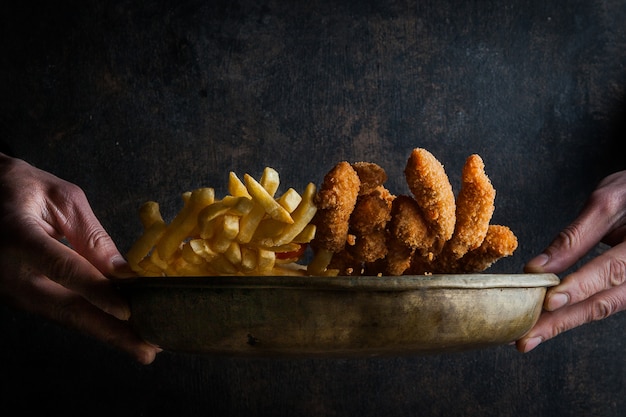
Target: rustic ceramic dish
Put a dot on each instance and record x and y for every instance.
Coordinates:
(335, 316)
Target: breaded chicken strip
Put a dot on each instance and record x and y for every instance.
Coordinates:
(369, 247)
(368, 224)
(474, 208)
(371, 175)
(372, 211)
(408, 233)
(432, 190)
(335, 202)
(499, 243)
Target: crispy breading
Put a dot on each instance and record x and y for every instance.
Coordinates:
(474, 208)
(345, 264)
(369, 247)
(363, 229)
(499, 242)
(372, 211)
(408, 233)
(335, 201)
(371, 175)
(431, 188)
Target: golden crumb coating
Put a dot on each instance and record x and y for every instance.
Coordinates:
(474, 208)
(372, 211)
(499, 242)
(335, 201)
(371, 175)
(363, 229)
(408, 232)
(431, 188)
(369, 247)
(345, 264)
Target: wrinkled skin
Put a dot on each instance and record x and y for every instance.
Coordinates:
(62, 282)
(597, 289)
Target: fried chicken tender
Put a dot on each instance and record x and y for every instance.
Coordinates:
(432, 190)
(371, 175)
(409, 233)
(335, 201)
(499, 242)
(372, 211)
(474, 208)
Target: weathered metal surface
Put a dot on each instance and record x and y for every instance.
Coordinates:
(335, 316)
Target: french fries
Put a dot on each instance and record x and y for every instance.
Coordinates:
(250, 231)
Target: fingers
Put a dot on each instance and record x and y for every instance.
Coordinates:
(594, 292)
(571, 244)
(49, 299)
(601, 273)
(65, 266)
(553, 323)
(73, 217)
(602, 219)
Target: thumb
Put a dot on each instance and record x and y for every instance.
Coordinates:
(572, 243)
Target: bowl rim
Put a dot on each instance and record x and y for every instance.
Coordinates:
(348, 283)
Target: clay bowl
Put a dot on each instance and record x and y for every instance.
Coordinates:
(335, 316)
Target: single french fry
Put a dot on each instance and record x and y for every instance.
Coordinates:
(306, 235)
(150, 213)
(320, 262)
(248, 259)
(290, 200)
(270, 180)
(265, 261)
(236, 187)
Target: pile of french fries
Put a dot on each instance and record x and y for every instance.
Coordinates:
(250, 231)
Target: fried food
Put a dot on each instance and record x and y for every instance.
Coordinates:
(371, 176)
(429, 231)
(335, 202)
(371, 212)
(432, 190)
(369, 219)
(249, 232)
(474, 208)
(408, 234)
(500, 241)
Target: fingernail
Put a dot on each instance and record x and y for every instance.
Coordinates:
(532, 343)
(118, 261)
(538, 262)
(556, 301)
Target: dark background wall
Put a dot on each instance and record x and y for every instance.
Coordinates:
(137, 101)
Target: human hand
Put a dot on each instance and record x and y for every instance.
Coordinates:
(42, 275)
(597, 289)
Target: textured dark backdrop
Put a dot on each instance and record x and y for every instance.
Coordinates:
(137, 101)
